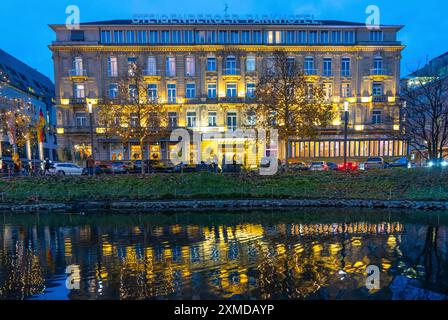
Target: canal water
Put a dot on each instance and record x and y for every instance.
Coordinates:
(301, 254)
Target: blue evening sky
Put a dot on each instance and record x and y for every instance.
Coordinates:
(26, 35)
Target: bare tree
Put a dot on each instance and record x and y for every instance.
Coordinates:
(287, 100)
(425, 112)
(132, 114)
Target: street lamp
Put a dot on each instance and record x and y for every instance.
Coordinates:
(346, 105)
(90, 111)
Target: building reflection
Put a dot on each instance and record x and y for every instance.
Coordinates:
(242, 260)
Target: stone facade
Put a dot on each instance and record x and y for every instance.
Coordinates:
(355, 64)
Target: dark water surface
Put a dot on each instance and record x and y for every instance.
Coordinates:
(302, 254)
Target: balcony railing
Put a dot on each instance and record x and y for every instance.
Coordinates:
(77, 73)
(380, 98)
(310, 72)
(379, 72)
(231, 71)
(151, 73)
(76, 100)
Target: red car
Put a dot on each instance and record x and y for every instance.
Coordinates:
(348, 166)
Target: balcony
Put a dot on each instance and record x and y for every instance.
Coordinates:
(76, 100)
(152, 75)
(379, 74)
(231, 74)
(380, 98)
(77, 74)
(311, 74)
(84, 129)
(232, 99)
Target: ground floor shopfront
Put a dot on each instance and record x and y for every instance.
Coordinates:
(356, 148)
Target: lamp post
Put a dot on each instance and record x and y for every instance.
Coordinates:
(90, 110)
(346, 105)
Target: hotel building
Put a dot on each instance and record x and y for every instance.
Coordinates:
(206, 72)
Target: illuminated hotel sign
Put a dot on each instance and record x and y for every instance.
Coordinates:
(223, 19)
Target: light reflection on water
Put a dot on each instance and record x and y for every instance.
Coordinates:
(224, 256)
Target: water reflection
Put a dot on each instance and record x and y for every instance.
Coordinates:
(230, 256)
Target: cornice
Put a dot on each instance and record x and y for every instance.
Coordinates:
(208, 48)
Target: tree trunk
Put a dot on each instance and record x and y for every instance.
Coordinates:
(286, 153)
(142, 146)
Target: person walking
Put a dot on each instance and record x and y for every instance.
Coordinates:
(46, 166)
(90, 165)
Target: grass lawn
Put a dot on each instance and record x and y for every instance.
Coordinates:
(391, 184)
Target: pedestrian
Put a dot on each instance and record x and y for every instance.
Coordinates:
(46, 166)
(90, 165)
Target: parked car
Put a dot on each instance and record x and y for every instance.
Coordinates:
(348, 166)
(332, 166)
(65, 168)
(402, 162)
(100, 169)
(119, 167)
(158, 166)
(318, 166)
(437, 163)
(298, 166)
(375, 163)
(184, 168)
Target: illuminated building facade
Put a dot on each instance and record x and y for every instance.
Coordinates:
(206, 74)
(21, 85)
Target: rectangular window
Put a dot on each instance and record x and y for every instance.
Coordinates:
(176, 35)
(222, 36)
(189, 67)
(301, 37)
(211, 37)
(345, 67)
(231, 121)
(212, 117)
(324, 37)
(250, 90)
(313, 37)
(211, 90)
(172, 119)
(376, 117)
(234, 36)
(141, 36)
(377, 89)
(171, 89)
(190, 91)
(270, 37)
(327, 72)
(200, 36)
(151, 66)
(349, 37)
(188, 36)
(250, 63)
(153, 36)
(133, 94)
(309, 66)
(336, 37)
(231, 90)
(211, 64)
(376, 36)
(112, 67)
(118, 36)
(130, 36)
(152, 92)
(113, 91)
(165, 36)
(346, 90)
(257, 37)
(191, 119)
(290, 37)
(105, 36)
(81, 119)
(245, 37)
(170, 66)
(79, 90)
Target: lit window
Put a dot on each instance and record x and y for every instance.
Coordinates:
(112, 67)
(346, 90)
(211, 90)
(113, 91)
(212, 117)
(250, 63)
(152, 92)
(170, 66)
(191, 119)
(171, 89)
(189, 67)
(79, 90)
(231, 90)
(151, 65)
